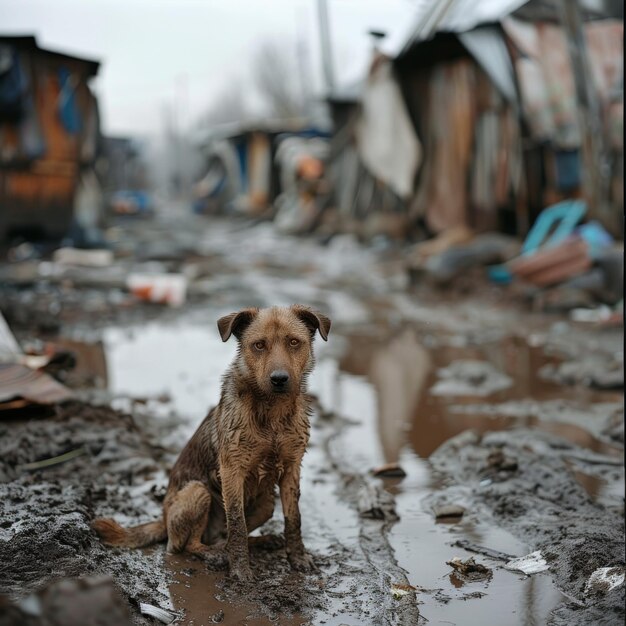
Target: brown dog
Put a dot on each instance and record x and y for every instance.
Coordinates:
(223, 483)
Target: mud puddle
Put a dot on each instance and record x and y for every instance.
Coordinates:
(424, 548)
(389, 387)
(383, 387)
(196, 594)
(404, 376)
(421, 546)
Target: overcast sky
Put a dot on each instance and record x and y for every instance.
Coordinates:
(154, 52)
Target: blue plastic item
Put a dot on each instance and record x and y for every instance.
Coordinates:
(596, 236)
(562, 216)
(68, 106)
(554, 224)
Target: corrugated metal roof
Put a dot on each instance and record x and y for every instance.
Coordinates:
(29, 42)
(457, 16)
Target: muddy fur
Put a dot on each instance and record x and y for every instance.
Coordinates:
(222, 486)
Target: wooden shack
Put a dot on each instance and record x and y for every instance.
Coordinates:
(49, 136)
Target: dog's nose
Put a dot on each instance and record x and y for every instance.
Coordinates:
(279, 378)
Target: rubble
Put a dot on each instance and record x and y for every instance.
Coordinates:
(470, 378)
(469, 570)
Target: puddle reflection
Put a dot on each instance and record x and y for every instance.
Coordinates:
(401, 372)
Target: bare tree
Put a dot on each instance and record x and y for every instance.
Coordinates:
(276, 77)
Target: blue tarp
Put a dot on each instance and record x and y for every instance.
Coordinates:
(68, 108)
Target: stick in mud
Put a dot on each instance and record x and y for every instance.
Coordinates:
(492, 554)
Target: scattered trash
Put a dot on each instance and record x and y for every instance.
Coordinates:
(85, 258)
(469, 570)
(600, 314)
(62, 458)
(481, 250)
(532, 563)
(398, 591)
(159, 288)
(448, 511)
(390, 470)
(163, 616)
(605, 579)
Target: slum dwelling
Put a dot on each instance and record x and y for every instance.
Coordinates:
(49, 138)
(480, 124)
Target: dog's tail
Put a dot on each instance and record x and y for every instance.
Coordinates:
(112, 534)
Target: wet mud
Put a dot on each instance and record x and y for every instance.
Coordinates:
(454, 390)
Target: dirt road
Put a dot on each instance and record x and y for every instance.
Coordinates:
(504, 455)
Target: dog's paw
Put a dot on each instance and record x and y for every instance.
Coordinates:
(242, 573)
(216, 559)
(303, 562)
(267, 542)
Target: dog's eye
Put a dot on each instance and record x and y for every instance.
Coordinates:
(294, 342)
(259, 345)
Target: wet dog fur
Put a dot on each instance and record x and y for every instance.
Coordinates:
(223, 484)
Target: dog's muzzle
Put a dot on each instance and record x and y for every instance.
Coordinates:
(279, 380)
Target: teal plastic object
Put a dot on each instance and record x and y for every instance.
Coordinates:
(565, 215)
(559, 219)
(499, 274)
(596, 236)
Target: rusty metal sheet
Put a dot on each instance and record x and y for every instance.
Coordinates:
(19, 381)
(553, 265)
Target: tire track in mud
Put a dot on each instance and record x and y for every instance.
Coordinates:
(376, 515)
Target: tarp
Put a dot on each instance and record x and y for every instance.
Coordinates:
(386, 140)
(486, 44)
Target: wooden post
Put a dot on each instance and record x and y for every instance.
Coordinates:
(597, 169)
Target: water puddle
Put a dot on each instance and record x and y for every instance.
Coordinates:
(382, 386)
(423, 548)
(385, 386)
(196, 592)
(403, 375)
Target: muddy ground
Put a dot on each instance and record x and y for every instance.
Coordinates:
(508, 425)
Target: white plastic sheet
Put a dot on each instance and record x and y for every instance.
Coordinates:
(386, 140)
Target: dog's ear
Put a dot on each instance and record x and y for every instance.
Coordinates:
(235, 323)
(314, 320)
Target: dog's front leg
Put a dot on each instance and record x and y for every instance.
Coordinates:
(237, 544)
(290, 496)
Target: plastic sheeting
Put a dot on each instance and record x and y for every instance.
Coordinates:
(488, 47)
(386, 140)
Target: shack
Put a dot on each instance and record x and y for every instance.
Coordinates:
(242, 172)
(479, 121)
(49, 139)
